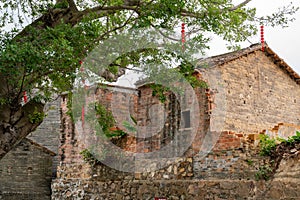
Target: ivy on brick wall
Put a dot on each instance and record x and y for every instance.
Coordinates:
(106, 120)
(187, 70)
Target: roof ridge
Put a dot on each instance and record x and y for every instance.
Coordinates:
(43, 148)
(227, 57)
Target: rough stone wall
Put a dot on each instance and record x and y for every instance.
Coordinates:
(229, 161)
(221, 175)
(25, 173)
(259, 94)
(176, 190)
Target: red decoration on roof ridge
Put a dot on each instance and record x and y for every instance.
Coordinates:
(262, 39)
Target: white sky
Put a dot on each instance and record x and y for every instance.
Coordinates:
(284, 42)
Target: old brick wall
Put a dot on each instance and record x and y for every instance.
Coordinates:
(121, 101)
(259, 94)
(25, 173)
(143, 108)
(259, 98)
(69, 148)
(159, 120)
(73, 141)
(152, 120)
(48, 133)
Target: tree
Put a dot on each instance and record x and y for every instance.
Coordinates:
(40, 54)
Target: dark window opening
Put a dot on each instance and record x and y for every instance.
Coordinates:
(186, 118)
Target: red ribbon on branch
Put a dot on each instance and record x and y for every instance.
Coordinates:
(82, 109)
(182, 35)
(25, 97)
(82, 116)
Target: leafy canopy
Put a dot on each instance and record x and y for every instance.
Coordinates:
(43, 40)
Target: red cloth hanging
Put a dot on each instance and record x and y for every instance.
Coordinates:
(25, 97)
(182, 35)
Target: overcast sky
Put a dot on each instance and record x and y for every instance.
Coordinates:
(285, 42)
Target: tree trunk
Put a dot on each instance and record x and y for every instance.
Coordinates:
(17, 121)
(16, 125)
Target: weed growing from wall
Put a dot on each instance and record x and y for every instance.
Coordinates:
(267, 145)
(275, 149)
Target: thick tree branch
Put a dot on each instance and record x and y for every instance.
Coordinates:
(72, 6)
(18, 126)
(116, 28)
(186, 13)
(240, 5)
(100, 10)
(168, 37)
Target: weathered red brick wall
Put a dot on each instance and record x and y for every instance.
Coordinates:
(157, 121)
(152, 116)
(120, 101)
(70, 145)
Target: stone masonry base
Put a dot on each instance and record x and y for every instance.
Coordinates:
(175, 190)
